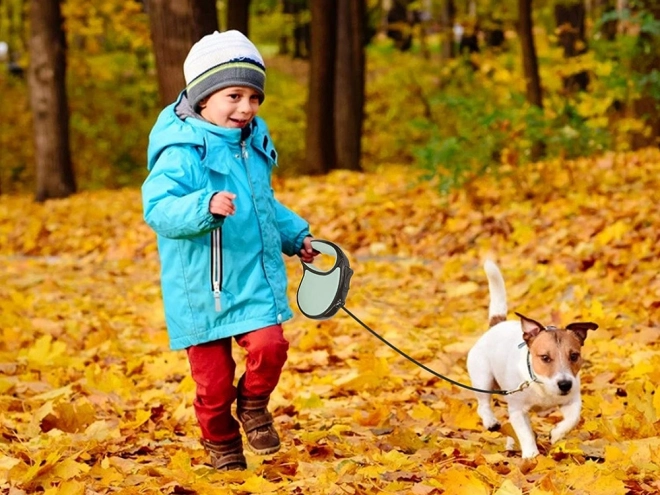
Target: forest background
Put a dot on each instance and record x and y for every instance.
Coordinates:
(458, 163)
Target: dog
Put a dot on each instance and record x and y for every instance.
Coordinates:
(543, 361)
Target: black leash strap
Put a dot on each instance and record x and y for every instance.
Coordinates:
(323, 292)
(523, 386)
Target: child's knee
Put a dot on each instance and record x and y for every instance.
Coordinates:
(273, 352)
(269, 348)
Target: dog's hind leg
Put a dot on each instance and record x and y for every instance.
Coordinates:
(485, 412)
(483, 379)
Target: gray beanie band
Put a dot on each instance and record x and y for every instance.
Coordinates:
(238, 73)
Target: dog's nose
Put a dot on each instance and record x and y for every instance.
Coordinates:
(564, 385)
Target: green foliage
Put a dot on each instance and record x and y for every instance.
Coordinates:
(459, 118)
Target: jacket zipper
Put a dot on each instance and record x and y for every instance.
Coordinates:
(216, 266)
(216, 252)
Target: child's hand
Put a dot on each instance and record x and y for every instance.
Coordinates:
(222, 203)
(307, 253)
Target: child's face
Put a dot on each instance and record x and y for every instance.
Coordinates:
(233, 107)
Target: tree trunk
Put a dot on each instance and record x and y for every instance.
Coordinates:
(530, 62)
(448, 16)
(399, 25)
(48, 101)
(175, 26)
(320, 137)
(570, 22)
(646, 62)
(530, 66)
(238, 14)
(349, 83)
(609, 28)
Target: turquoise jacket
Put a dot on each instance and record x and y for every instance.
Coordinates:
(220, 277)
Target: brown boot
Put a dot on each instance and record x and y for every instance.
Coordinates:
(226, 456)
(262, 438)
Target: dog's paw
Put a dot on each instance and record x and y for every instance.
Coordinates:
(530, 453)
(556, 435)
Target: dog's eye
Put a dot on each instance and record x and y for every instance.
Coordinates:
(545, 358)
(574, 357)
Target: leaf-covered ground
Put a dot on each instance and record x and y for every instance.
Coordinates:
(93, 402)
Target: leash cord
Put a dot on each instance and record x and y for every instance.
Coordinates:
(523, 386)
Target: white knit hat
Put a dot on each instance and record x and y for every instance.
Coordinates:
(221, 60)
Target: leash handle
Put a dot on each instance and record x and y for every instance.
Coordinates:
(522, 387)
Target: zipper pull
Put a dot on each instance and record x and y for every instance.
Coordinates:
(216, 296)
(244, 147)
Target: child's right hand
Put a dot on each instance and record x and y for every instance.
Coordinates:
(222, 203)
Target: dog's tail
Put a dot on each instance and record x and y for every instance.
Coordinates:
(497, 308)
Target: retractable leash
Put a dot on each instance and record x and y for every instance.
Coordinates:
(323, 292)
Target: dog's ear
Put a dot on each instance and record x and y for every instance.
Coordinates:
(531, 328)
(580, 328)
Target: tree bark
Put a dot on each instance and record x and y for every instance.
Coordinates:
(349, 83)
(570, 22)
(48, 101)
(175, 26)
(530, 61)
(238, 14)
(448, 16)
(645, 62)
(320, 137)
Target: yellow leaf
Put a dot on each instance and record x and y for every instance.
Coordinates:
(596, 311)
(458, 481)
(6, 464)
(613, 232)
(106, 474)
(69, 468)
(422, 411)
(257, 484)
(462, 289)
(406, 440)
(6, 384)
(614, 454)
(315, 436)
(589, 478)
(312, 401)
(103, 430)
(141, 417)
(45, 352)
(395, 460)
(71, 488)
(508, 488)
(460, 415)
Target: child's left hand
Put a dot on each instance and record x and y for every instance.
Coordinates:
(307, 253)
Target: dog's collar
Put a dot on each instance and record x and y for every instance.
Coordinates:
(532, 375)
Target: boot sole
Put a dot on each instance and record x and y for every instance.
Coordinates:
(269, 450)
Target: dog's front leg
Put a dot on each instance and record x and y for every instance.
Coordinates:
(523, 428)
(571, 413)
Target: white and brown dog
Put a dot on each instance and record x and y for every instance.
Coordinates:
(514, 353)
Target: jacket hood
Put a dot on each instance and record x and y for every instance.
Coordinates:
(179, 125)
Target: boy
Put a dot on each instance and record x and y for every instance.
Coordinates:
(221, 234)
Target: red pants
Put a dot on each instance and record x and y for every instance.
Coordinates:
(212, 367)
